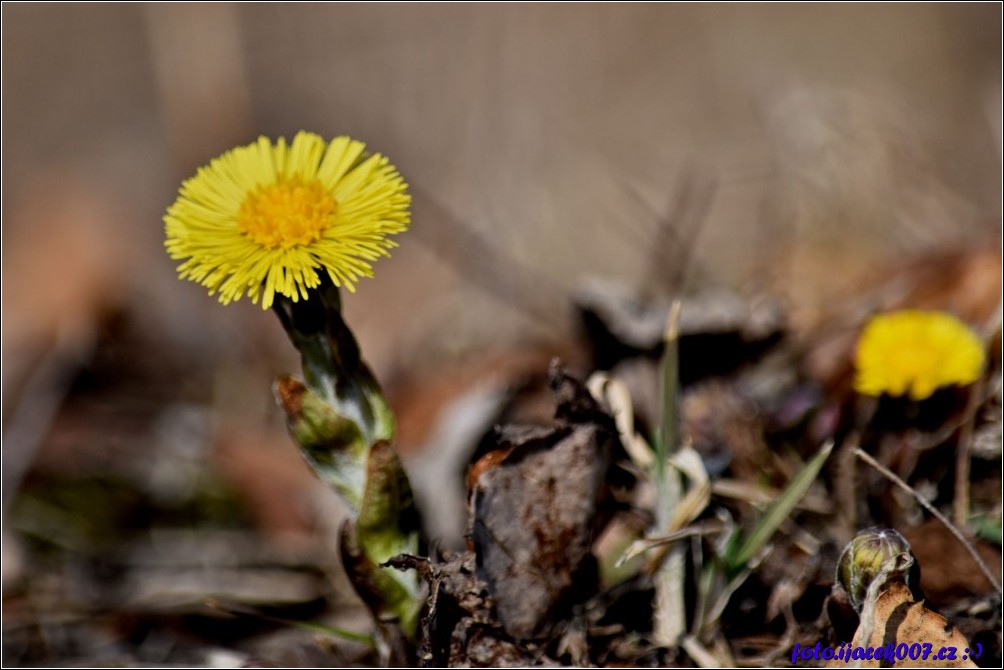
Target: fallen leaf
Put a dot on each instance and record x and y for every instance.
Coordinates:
(535, 510)
(899, 619)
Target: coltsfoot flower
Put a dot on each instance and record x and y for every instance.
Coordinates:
(914, 352)
(863, 557)
(270, 218)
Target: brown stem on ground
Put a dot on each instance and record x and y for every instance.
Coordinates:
(960, 503)
(845, 485)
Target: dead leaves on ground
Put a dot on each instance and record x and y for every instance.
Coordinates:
(899, 619)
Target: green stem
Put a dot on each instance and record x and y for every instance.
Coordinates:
(332, 363)
(345, 428)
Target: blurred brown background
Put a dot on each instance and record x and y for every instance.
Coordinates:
(545, 144)
(556, 133)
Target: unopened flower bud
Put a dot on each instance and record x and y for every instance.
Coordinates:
(863, 557)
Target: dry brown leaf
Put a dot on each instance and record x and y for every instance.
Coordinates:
(534, 512)
(899, 619)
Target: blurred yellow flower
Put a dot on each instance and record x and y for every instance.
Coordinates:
(264, 219)
(916, 352)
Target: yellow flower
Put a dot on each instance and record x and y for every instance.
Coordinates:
(265, 219)
(916, 352)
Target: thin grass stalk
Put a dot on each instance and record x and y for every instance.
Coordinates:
(670, 611)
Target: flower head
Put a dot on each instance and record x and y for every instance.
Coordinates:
(916, 352)
(269, 218)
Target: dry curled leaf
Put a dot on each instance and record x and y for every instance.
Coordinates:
(899, 619)
(534, 511)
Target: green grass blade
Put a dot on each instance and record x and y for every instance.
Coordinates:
(778, 511)
(668, 438)
(335, 631)
(669, 618)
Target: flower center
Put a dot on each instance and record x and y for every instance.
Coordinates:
(287, 213)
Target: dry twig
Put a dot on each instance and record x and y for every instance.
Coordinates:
(888, 474)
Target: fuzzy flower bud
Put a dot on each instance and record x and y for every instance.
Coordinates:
(863, 557)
